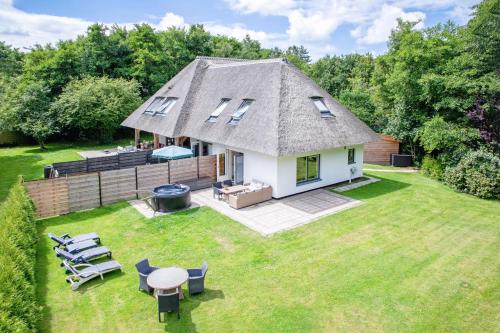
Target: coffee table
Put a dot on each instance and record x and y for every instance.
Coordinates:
(166, 280)
(232, 190)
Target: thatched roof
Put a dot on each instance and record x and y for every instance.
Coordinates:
(281, 121)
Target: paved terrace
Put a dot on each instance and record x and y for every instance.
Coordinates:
(279, 215)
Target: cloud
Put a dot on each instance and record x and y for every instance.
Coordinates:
(379, 30)
(310, 26)
(264, 7)
(171, 20)
(21, 29)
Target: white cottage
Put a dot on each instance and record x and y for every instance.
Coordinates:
(264, 119)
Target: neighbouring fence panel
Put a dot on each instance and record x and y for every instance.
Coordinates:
(83, 192)
(206, 166)
(128, 160)
(102, 163)
(50, 196)
(68, 168)
(117, 185)
(150, 176)
(185, 169)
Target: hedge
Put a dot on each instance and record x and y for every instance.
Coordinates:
(477, 173)
(19, 309)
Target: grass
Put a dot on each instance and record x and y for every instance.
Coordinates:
(416, 257)
(384, 167)
(29, 161)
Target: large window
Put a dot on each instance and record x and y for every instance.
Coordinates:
(307, 169)
(245, 105)
(350, 156)
(218, 110)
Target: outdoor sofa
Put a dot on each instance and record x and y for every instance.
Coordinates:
(256, 193)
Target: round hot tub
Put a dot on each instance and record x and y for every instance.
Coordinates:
(170, 197)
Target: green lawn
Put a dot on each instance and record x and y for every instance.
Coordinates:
(415, 257)
(29, 161)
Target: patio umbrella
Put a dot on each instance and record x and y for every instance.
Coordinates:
(172, 153)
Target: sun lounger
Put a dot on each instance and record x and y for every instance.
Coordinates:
(67, 239)
(83, 256)
(81, 246)
(82, 273)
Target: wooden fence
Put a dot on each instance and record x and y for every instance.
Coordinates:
(72, 193)
(96, 164)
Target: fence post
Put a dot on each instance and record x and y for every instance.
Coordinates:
(168, 171)
(87, 164)
(198, 167)
(100, 192)
(136, 184)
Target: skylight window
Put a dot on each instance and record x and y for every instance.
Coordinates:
(166, 105)
(322, 108)
(245, 105)
(160, 105)
(218, 110)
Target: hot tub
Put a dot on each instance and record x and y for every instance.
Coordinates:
(170, 197)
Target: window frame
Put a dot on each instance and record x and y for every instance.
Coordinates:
(353, 161)
(218, 110)
(165, 108)
(162, 105)
(308, 180)
(240, 111)
(324, 112)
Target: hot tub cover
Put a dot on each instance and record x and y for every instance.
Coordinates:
(172, 153)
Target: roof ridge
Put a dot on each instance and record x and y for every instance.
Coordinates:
(247, 62)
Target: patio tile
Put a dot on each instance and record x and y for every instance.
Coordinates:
(278, 215)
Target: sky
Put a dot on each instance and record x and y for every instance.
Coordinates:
(322, 26)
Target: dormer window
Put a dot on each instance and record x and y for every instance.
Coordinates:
(244, 106)
(321, 106)
(160, 105)
(218, 110)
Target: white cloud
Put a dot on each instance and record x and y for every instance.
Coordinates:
(22, 29)
(171, 20)
(310, 26)
(264, 7)
(379, 30)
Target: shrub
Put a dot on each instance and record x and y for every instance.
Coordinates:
(477, 173)
(19, 310)
(432, 167)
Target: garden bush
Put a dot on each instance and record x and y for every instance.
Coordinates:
(477, 173)
(432, 167)
(19, 309)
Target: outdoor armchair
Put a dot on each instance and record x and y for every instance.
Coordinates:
(196, 281)
(67, 239)
(82, 273)
(168, 303)
(144, 269)
(217, 187)
(83, 256)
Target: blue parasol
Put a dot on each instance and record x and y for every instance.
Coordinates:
(172, 153)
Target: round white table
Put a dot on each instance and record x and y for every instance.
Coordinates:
(165, 279)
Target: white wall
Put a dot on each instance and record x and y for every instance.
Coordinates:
(280, 172)
(333, 169)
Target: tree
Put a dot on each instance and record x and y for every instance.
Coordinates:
(29, 112)
(95, 107)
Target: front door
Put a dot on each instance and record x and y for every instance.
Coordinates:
(238, 168)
